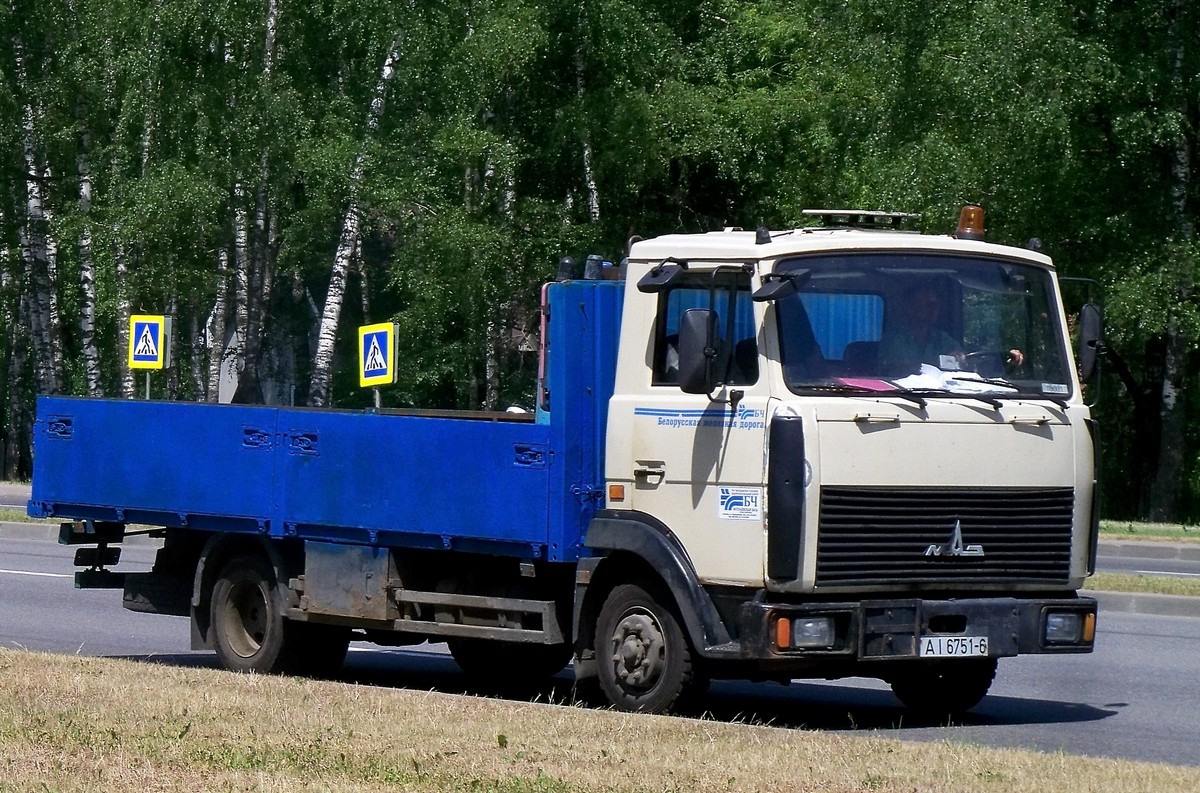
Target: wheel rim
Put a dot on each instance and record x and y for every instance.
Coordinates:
(639, 650)
(246, 618)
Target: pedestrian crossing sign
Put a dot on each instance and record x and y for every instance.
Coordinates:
(149, 342)
(377, 354)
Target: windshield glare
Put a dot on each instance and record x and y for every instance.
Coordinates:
(922, 322)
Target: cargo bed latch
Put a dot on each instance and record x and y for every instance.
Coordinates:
(587, 493)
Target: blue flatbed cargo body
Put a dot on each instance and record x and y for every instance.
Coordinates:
(523, 486)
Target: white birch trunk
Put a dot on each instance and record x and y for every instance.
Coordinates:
(216, 328)
(124, 312)
(52, 307)
(36, 244)
(241, 275)
(17, 448)
(589, 172)
(196, 371)
(322, 365)
(254, 266)
(87, 274)
(87, 267)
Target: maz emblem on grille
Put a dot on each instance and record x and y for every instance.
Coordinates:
(954, 547)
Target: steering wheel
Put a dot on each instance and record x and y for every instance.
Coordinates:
(986, 363)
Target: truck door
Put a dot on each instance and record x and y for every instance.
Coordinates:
(697, 462)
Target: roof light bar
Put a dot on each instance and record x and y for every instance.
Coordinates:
(862, 218)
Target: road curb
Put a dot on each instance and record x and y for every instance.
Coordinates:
(1145, 549)
(49, 531)
(29, 531)
(1145, 603)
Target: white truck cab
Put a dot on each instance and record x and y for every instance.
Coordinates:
(882, 433)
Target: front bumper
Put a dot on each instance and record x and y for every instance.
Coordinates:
(883, 630)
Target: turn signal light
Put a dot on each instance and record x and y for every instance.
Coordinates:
(783, 633)
(1089, 628)
(970, 223)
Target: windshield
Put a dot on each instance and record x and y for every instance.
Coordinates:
(922, 323)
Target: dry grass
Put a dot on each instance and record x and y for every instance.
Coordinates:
(86, 724)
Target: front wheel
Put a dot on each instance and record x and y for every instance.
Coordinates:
(644, 662)
(944, 688)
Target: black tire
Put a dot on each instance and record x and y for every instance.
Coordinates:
(509, 663)
(944, 688)
(314, 650)
(247, 618)
(643, 659)
(250, 633)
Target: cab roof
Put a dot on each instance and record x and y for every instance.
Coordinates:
(741, 246)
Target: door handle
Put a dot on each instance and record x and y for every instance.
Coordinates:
(877, 418)
(1030, 420)
(648, 471)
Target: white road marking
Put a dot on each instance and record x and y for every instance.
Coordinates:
(1168, 573)
(42, 575)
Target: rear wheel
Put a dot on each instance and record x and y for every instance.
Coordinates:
(247, 620)
(643, 659)
(944, 688)
(250, 633)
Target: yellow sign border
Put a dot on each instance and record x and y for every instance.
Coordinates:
(164, 332)
(389, 329)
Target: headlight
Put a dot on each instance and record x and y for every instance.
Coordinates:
(812, 632)
(805, 633)
(1063, 627)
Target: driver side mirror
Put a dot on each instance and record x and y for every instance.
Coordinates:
(1091, 335)
(697, 353)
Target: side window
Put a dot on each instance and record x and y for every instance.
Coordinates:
(694, 293)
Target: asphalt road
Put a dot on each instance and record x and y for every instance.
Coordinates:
(1134, 698)
(1176, 560)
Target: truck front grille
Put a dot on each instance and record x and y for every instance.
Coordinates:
(880, 536)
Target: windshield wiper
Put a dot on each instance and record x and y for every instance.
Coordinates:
(939, 393)
(1018, 393)
(841, 388)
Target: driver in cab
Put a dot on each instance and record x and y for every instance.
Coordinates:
(916, 336)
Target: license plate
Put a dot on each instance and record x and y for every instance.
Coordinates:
(953, 646)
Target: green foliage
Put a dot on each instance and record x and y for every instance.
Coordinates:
(1064, 119)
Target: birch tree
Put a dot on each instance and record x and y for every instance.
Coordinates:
(87, 271)
(38, 250)
(348, 241)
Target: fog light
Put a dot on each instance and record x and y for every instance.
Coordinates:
(1063, 627)
(812, 632)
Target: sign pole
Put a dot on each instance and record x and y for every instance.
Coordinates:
(149, 344)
